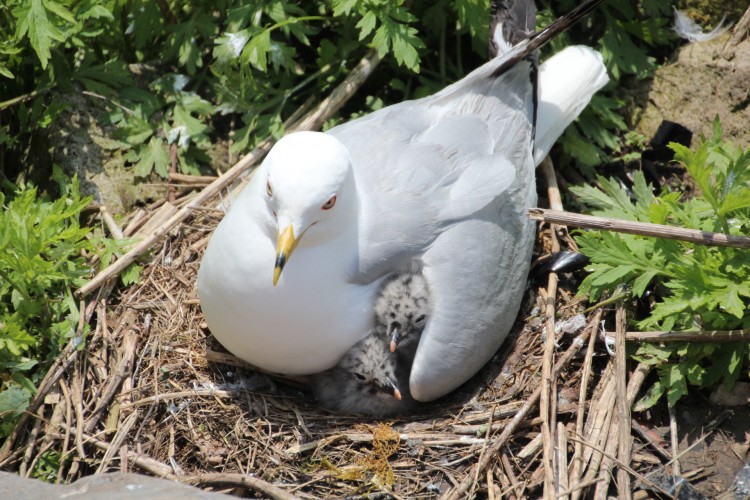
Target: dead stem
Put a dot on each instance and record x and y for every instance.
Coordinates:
(623, 406)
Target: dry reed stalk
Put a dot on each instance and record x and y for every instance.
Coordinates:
(67, 424)
(122, 370)
(639, 228)
(597, 425)
(549, 393)
(687, 336)
(577, 461)
(508, 469)
(562, 461)
(624, 448)
(481, 454)
(612, 443)
(31, 443)
(739, 33)
(675, 440)
(115, 446)
(493, 492)
(252, 482)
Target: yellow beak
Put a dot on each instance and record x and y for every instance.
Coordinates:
(285, 245)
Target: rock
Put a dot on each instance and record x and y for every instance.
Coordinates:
(738, 395)
(695, 87)
(111, 486)
(80, 145)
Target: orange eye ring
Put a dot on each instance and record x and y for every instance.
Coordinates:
(330, 203)
(269, 191)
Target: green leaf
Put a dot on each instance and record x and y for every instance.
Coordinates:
(34, 23)
(14, 399)
(652, 396)
(366, 24)
(674, 379)
(256, 50)
(131, 275)
(344, 7)
(153, 157)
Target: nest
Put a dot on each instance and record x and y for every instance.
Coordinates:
(153, 392)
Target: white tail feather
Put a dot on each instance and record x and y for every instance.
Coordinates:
(567, 81)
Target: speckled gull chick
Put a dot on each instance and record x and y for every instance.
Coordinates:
(371, 379)
(401, 310)
(439, 185)
(366, 381)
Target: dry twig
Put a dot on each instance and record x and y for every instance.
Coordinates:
(639, 228)
(623, 407)
(687, 336)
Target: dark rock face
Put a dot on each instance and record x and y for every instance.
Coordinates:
(112, 486)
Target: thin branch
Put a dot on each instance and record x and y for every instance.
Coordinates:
(639, 228)
(253, 482)
(623, 407)
(686, 336)
(313, 121)
(576, 463)
(548, 395)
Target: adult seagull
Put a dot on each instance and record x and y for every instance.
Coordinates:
(439, 185)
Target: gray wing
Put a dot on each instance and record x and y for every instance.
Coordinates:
(446, 182)
(477, 273)
(422, 166)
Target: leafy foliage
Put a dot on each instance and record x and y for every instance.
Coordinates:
(179, 76)
(41, 262)
(695, 286)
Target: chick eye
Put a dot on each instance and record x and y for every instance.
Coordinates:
(359, 376)
(269, 191)
(330, 203)
(420, 319)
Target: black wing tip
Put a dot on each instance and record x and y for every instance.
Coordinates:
(539, 39)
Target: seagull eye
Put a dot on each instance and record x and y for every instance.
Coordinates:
(359, 376)
(269, 191)
(330, 203)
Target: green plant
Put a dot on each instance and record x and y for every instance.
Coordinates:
(179, 76)
(41, 262)
(695, 285)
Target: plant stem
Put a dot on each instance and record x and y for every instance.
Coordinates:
(639, 228)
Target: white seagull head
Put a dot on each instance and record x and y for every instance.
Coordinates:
(310, 191)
